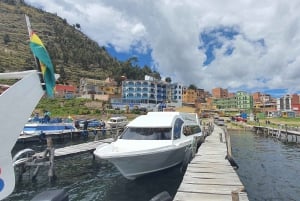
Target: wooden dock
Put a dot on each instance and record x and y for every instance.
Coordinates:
(95, 132)
(78, 148)
(46, 158)
(281, 132)
(209, 176)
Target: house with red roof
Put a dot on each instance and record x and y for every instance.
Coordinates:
(67, 91)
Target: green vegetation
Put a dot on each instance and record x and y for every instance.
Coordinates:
(60, 107)
(79, 107)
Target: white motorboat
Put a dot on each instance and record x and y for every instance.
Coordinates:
(153, 142)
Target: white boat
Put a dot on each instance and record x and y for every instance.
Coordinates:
(152, 142)
(55, 127)
(17, 103)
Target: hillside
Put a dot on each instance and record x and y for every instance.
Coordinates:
(73, 54)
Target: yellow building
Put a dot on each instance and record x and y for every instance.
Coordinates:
(99, 89)
(189, 96)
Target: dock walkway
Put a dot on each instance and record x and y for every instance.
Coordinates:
(281, 133)
(78, 148)
(209, 176)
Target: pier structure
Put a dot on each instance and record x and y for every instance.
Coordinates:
(96, 132)
(282, 133)
(23, 161)
(210, 176)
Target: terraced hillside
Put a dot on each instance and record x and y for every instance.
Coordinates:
(74, 55)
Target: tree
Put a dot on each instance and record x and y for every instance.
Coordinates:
(168, 80)
(63, 75)
(6, 39)
(192, 86)
(156, 75)
(78, 26)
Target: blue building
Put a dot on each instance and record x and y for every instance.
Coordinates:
(144, 91)
(149, 93)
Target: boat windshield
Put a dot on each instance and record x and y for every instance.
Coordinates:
(146, 134)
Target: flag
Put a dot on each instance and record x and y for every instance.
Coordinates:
(43, 59)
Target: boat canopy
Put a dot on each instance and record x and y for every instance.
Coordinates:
(155, 119)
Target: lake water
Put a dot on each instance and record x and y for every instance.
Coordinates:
(268, 168)
(95, 180)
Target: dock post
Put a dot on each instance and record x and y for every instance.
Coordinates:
(228, 142)
(235, 196)
(50, 150)
(96, 134)
(221, 137)
(286, 132)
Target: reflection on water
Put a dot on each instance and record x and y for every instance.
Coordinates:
(85, 179)
(268, 168)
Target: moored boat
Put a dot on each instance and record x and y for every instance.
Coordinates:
(54, 127)
(153, 142)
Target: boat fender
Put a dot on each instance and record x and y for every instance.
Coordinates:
(52, 195)
(163, 196)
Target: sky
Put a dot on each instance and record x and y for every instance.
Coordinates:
(248, 45)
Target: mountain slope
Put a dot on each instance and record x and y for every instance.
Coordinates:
(73, 54)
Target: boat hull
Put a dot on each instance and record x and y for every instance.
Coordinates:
(51, 128)
(137, 164)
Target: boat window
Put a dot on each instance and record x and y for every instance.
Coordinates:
(191, 129)
(177, 128)
(146, 134)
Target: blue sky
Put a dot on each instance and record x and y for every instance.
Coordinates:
(244, 45)
(143, 58)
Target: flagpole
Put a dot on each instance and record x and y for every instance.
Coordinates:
(37, 62)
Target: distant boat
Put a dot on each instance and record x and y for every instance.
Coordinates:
(54, 126)
(153, 142)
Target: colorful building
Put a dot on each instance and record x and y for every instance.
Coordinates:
(226, 104)
(99, 89)
(244, 101)
(219, 93)
(67, 91)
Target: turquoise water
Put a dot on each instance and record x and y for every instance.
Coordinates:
(268, 168)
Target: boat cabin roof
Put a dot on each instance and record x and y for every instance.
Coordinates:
(154, 120)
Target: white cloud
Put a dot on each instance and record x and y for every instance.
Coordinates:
(172, 30)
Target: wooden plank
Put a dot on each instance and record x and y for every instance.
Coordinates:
(209, 189)
(78, 148)
(210, 166)
(188, 196)
(207, 181)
